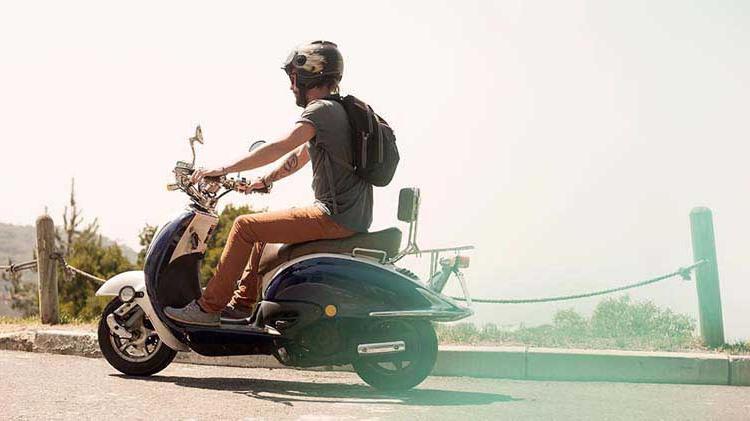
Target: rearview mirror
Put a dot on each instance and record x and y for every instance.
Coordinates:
(198, 137)
(408, 204)
(257, 144)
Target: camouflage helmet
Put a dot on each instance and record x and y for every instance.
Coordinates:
(313, 61)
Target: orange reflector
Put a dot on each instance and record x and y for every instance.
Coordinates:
(330, 310)
(463, 261)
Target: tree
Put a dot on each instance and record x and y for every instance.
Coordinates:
(144, 239)
(84, 250)
(71, 220)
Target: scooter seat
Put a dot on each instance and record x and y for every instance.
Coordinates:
(387, 240)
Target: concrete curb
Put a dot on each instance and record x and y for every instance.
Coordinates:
(472, 361)
(627, 366)
(67, 342)
(739, 370)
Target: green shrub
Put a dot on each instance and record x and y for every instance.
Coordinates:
(619, 317)
(615, 323)
(570, 322)
(462, 333)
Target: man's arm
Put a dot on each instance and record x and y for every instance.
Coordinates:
(270, 152)
(293, 162)
(265, 154)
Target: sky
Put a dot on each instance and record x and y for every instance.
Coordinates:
(567, 141)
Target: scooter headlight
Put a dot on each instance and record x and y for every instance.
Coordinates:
(127, 294)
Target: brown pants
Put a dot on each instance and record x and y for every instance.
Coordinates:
(248, 237)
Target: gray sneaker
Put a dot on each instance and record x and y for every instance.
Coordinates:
(192, 314)
(236, 313)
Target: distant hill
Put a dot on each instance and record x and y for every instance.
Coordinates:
(18, 241)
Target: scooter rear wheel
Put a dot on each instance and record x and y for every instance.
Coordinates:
(142, 355)
(400, 371)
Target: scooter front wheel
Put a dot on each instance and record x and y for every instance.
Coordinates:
(129, 342)
(403, 370)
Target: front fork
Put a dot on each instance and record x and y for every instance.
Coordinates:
(123, 330)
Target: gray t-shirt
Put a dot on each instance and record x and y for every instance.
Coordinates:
(338, 191)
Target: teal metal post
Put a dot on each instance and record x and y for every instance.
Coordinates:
(707, 277)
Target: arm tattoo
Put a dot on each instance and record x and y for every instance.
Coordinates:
(291, 163)
(289, 167)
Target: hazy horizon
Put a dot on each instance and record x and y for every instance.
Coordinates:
(567, 142)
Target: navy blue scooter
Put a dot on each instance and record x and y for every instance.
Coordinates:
(328, 302)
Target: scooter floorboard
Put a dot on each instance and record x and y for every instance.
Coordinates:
(231, 340)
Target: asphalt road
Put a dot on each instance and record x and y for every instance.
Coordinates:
(45, 386)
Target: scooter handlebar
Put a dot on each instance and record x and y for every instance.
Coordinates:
(206, 191)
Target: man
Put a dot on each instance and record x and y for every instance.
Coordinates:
(343, 201)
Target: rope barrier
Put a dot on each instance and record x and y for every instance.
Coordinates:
(68, 269)
(32, 265)
(17, 267)
(684, 272)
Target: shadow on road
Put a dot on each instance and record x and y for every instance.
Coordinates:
(287, 392)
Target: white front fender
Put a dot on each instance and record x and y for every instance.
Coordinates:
(137, 280)
(133, 278)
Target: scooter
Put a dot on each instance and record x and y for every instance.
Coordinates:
(324, 303)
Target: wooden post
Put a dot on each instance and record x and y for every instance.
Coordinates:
(707, 277)
(47, 270)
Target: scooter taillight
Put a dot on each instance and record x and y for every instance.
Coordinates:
(459, 261)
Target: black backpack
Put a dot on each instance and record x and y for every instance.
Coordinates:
(373, 142)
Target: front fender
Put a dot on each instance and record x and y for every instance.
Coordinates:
(133, 278)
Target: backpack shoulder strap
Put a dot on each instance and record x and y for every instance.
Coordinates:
(341, 100)
(331, 185)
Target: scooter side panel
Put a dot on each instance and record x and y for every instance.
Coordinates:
(356, 288)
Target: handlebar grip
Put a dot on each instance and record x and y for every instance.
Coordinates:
(213, 179)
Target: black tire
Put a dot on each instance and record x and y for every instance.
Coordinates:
(155, 362)
(421, 345)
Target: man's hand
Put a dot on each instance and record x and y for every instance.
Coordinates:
(255, 185)
(200, 173)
